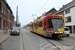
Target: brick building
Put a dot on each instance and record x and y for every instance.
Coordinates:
(6, 15)
(51, 11)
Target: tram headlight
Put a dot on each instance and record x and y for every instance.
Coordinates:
(58, 32)
(55, 32)
(62, 32)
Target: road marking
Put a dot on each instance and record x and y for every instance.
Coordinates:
(45, 45)
(56, 43)
(49, 49)
(42, 48)
(61, 46)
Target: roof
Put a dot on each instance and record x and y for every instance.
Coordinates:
(53, 10)
(67, 5)
(8, 6)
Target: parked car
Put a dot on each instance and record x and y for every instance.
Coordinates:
(15, 31)
(66, 31)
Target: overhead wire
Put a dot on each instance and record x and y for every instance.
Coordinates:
(42, 6)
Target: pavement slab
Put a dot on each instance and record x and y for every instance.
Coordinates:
(3, 38)
(12, 43)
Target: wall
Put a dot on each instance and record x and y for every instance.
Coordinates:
(1, 31)
(0, 23)
(72, 14)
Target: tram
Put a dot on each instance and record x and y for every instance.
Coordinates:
(49, 26)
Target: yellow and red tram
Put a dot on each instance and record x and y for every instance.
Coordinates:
(50, 26)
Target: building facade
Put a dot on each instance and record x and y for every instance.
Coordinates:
(6, 15)
(69, 15)
(68, 11)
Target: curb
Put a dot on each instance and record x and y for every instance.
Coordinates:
(4, 40)
(21, 46)
(21, 42)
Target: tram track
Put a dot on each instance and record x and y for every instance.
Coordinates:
(53, 42)
(49, 41)
(60, 42)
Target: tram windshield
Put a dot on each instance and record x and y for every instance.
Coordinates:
(55, 23)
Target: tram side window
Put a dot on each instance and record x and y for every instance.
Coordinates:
(50, 23)
(32, 25)
(45, 24)
(40, 24)
(35, 24)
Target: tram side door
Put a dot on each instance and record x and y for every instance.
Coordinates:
(32, 28)
(44, 26)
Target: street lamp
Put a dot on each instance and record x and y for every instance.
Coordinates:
(33, 15)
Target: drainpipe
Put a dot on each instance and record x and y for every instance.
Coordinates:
(72, 29)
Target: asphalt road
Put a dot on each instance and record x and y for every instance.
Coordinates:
(12, 43)
(32, 41)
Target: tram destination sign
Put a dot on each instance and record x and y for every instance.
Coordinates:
(57, 17)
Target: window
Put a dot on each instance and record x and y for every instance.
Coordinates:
(57, 23)
(6, 12)
(0, 23)
(40, 24)
(37, 25)
(50, 23)
(67, 11)
(66, 29)
(0, 6)
(3, 9)
(68, 19)
(34, 24)
(30, 25)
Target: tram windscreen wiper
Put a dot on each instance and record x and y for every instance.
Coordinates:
(60, 25)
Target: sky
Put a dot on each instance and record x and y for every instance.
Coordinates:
(37, 7)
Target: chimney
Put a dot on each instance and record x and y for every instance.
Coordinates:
(63, 5)
(73, 0)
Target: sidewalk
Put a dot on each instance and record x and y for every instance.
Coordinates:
(72, 35)
(3, 37)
